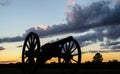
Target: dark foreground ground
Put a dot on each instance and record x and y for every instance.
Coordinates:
(88, 68)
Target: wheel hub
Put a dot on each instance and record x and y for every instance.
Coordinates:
(67, 56)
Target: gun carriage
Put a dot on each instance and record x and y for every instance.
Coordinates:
(67, 50)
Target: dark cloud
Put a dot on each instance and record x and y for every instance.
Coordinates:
(102, 51)
(111, 43)
(116, 50)
(90, 38)
(113, 32)
(2, 48)
(84, 52)
(14, 39)
(51, 30)
(4, 2)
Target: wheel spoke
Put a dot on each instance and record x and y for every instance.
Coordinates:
(34, 45)
(71, 45)
(26, 60)
(29, 42)
(36, 49)
(35, 41)
(66, 46)
(70, 61)
(63, 61)
(73, 60)
(73, 50)
(31, 38)
(27, 46)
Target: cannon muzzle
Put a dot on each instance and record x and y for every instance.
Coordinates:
(62, 41)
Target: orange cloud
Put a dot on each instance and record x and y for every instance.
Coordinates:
(42, 26)
(70, 3)
(73, 3)
(65, 11)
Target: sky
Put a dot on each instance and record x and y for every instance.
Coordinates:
(93, 23)
(24, 14)
(18, 16)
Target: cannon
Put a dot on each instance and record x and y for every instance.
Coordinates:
(66, 50)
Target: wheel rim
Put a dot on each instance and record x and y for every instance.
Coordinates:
(70, 52)
(30, 48)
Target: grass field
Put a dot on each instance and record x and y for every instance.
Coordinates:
(89, 68)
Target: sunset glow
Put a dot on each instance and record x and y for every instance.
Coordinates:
(94, 24)
(42, 26)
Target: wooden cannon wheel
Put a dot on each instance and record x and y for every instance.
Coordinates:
(70, 52)
(30, 48)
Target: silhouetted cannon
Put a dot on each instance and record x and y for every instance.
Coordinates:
(67, 50)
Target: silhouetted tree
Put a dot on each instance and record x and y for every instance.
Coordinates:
(114, 61)
(97, 58)
(87, 62)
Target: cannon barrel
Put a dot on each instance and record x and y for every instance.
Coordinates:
(62, 41)
(57, 43)
(48, 47)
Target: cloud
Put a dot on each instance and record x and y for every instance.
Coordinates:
(90, 38)
(42, 26)
(79, 19)
(8, 62)
(51, 30)
(19, 46)
(99, 17)
(102, 51)
(117, 0)
(2, 48)
(4, 2)
(70, 3)
(13, 39)
(111, 45)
